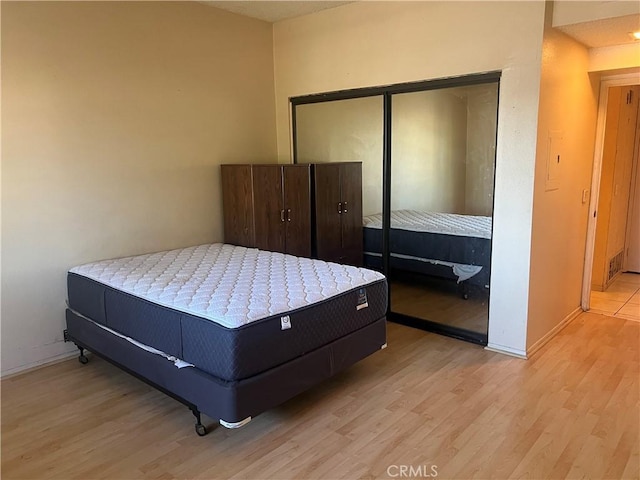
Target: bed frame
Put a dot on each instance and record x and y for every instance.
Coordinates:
(436, 246)
(233, 403)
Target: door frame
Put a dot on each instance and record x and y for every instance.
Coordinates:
(605, 83)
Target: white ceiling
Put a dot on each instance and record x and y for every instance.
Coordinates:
(605, 32)
(598, 33)
(273, 11)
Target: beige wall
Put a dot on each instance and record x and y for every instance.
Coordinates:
(379, 43)
(568, 108)
(115, 118)
(482, 106)
(443, 150)
(616, 57)
(429, 146)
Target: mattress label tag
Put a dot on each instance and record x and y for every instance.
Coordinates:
(362, 299)
(285, 322)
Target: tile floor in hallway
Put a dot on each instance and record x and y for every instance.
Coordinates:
(622, 298)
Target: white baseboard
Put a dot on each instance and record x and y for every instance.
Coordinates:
(513, 352)
(553, 332)
(38, 364)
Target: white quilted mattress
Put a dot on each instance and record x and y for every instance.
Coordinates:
(434, 222)
(227, 284)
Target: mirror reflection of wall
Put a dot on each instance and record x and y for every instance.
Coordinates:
(343, 131)
(444, 150)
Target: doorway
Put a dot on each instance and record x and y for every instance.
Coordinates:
(611, 283)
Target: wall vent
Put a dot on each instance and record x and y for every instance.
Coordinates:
(615, 264)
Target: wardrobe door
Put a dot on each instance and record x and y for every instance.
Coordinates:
(351, 198)
(328, 232)
(268, 208)
(297, 206)
(237, 201)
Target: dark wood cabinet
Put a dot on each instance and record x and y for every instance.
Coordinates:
(268, 207)
(302, 209)
(297, 205)
(337, 232)
(237, 202)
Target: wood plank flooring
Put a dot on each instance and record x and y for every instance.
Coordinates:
(571, 411)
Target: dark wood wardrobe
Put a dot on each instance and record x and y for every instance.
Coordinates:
(308, 210)
(338, 212)
(268, 207)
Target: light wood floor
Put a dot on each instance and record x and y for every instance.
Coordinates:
(572, 411)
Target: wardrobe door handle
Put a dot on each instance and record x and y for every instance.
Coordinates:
(282, 215)
(344, 207)
(288, 214)
(339, 207)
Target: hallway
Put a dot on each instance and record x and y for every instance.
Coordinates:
(621, 300)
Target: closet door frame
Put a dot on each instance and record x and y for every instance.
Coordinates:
(387, 92)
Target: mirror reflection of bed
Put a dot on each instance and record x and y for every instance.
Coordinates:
(438, 143)
(436, 260)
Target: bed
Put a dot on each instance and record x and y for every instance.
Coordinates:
(442, 244)
(227, 330)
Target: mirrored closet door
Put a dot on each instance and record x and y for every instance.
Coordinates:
(428, 162)
(442, 178)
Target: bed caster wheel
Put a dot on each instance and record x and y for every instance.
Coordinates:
(201, 430)
(464, 290)
(82, 358)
